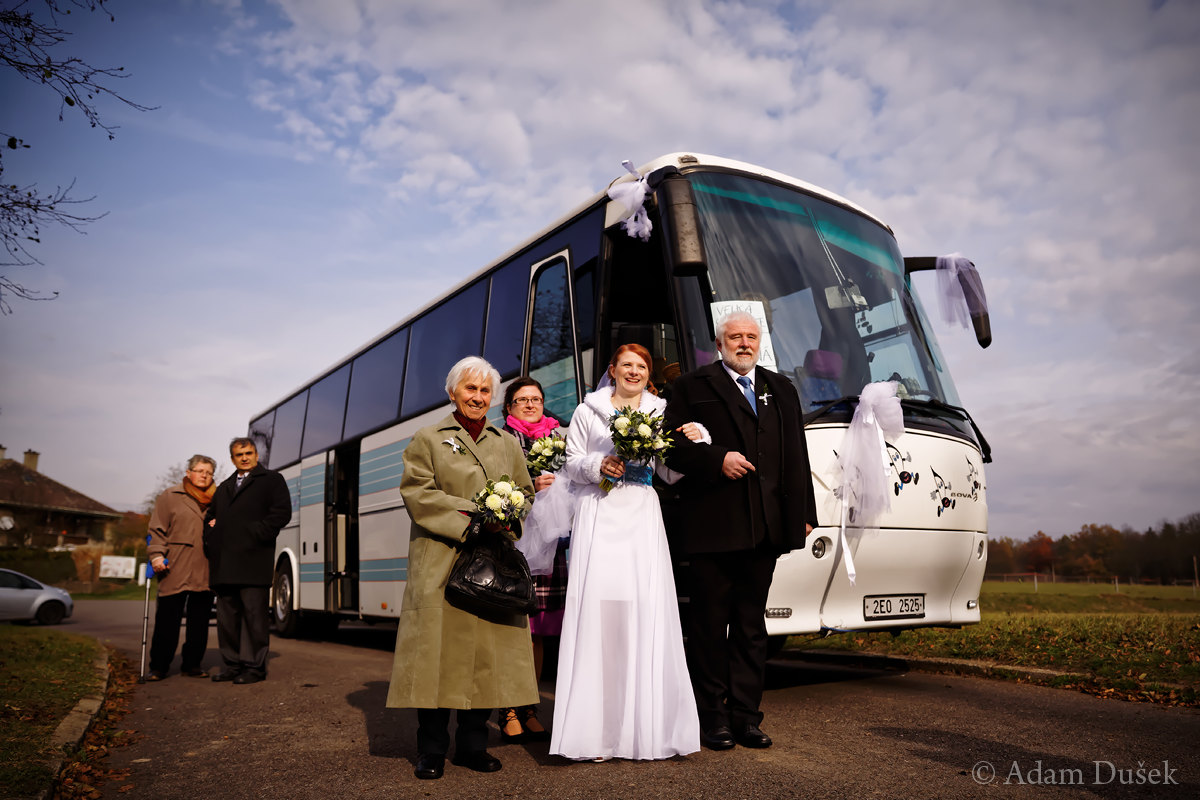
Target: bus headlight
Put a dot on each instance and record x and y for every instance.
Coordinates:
(818, 547)
(982, 549)
(972, 605)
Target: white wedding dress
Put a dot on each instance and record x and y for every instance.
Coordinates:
(623, 687)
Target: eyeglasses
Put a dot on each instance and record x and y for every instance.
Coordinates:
(201, 472)
(527, 401)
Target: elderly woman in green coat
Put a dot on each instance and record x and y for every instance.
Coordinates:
(447, 658)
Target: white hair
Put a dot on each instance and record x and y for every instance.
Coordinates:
(736, 316)
(472, 365)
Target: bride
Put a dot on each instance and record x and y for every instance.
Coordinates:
(623, 688)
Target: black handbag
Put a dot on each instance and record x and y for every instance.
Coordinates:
(490, 578)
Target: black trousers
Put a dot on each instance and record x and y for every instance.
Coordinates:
(169, 611)
(727, 634)
(244, 627)
(470, 735)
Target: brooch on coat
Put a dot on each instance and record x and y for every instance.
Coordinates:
(454, 446)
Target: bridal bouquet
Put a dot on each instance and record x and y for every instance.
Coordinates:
(502, 502)
(546, 454)
(637, 437)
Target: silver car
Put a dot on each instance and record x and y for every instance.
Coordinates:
(23, 599)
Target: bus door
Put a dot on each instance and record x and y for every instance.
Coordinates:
(637, 306)
(341, 529)
(551, 355)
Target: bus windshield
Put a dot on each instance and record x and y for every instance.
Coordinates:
(839, 308)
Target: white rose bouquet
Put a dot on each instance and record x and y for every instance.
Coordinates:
(547, 454)
(503, 502)
(637, 438)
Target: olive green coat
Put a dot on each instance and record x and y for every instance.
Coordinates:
(446, 657)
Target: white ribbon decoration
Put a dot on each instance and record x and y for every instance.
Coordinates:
(863, 464)
(632, 195)
(956, 307)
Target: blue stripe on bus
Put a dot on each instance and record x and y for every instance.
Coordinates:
(312, 485)
(381, 468)
(312, 573)
(383, 569)
(293, 485)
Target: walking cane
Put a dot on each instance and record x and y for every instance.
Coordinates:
(146, 612)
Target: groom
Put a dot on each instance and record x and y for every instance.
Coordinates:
(744, 500)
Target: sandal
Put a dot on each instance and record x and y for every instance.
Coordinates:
(509, 718)
(534, 730)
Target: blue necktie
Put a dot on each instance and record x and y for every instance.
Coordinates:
(748, 390)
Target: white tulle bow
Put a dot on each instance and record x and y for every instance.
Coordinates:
(550, 519)
(955, 304)
(632, 195)
(863, 465)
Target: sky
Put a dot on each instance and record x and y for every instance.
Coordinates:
(315, 170)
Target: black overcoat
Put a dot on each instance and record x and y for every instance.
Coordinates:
(714, 511)
(241, 545)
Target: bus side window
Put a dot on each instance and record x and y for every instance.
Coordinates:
(326, 412)
(262, 431)
(289, 428)
(551, 343)
(505, 330)
(437, 340)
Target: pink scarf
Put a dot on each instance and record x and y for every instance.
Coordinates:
(534, 430)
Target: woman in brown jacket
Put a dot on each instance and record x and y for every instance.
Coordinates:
(175, 548)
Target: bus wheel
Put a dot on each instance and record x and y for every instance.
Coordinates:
(775, 645)
(286, 618)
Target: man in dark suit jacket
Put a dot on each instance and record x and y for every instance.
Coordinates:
(246, 514)
(745, 499)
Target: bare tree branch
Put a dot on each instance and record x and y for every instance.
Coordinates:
(28, 45)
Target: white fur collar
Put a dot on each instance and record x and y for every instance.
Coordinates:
(600, 401)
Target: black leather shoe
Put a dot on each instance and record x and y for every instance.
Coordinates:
(155, 676)
(480, 761)
(719, 738)
(248, 677)
(751, 736)
(226, 675)
(430, 766)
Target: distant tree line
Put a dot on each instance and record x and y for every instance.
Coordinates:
(1101, 551)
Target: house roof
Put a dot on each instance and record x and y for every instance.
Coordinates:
(21, 487)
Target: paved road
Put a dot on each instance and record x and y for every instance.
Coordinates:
(318, 729)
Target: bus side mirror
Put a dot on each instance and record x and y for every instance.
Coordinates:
(972, 287)
(677, 210)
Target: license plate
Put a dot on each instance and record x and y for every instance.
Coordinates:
(894, 606)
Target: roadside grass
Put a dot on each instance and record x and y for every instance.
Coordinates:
(123, 591)
(1143, 645)
(1086, 598)
(43, 674)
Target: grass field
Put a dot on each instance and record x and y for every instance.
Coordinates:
(1143, 643)
(43, 674)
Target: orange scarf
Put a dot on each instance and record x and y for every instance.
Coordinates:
(202, 496)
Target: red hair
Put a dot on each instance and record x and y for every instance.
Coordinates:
(642, 353)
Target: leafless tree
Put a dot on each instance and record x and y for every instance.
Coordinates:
(31, 34)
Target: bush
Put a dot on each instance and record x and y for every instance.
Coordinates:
(47, 566)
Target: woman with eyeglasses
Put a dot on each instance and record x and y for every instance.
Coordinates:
(175, 549)
(525, 407)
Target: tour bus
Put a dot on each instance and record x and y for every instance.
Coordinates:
(836, 300)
